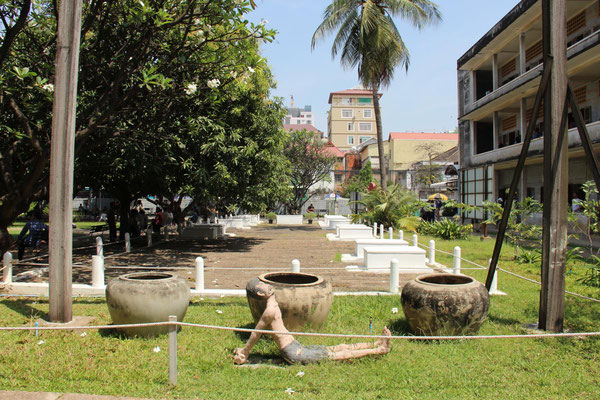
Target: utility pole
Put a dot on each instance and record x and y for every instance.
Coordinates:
(62, 161)
(556, 176)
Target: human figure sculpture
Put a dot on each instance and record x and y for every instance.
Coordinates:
(293, 351)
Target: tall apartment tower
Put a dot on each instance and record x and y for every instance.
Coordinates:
(351, 118)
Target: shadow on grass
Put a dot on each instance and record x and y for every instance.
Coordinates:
(399, 327)
(22, 307)
(503, 321)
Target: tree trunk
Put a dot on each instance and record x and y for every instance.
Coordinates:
(125, 200)
(5, 240)
(382, 165)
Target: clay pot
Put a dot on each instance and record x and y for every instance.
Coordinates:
(146, 297)
(304, 299)
(445, 304)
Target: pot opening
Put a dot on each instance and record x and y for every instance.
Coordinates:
(146, 276)
(291, 278)
(446, 279)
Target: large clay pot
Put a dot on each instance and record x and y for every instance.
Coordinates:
(146, 297)
(445, 304)
(304, 299)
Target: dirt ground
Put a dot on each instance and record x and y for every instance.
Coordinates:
(231, 262)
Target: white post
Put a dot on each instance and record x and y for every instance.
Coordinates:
(432, 251)
(415, 240)
(391, 232)
(7, 264)
(456, 266)
(494, 285)
(381, 230)
(166, 233)
(173, 351)
(127, 243)
(401, 234)
(199, 273)
(99, 247)
(295, 265)
(375, 229)
(394, 278)
(149, 236)
(97, 271)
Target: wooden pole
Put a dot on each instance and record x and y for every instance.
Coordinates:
(61, 161)
(554, 236)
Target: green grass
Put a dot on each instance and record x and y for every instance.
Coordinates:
(15, 228)
(102, 363)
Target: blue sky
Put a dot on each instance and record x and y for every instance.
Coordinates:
(424, 99)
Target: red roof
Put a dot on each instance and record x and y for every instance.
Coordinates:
(333, 150)
(299, 127)
(423, 136)
(352, 92)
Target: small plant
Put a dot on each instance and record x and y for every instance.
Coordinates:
(524, 256)
(271, 216)
(447, 229)
(310, 216)
(592, 276)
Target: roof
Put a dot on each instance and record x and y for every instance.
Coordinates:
(353, 92)
(300, 127)
(423, 136)
(333, 150)
(448, 155)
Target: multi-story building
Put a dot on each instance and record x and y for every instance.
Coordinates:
(351, 118)
(297, 116)
(497, 82)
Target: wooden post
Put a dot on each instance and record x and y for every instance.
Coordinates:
(554, 237)
(62, 161)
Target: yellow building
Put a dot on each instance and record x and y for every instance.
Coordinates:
(351, 118)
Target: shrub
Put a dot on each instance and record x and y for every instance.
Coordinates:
(447, 229)
(310, 215)
(271, 215)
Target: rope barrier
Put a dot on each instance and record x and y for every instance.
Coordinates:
(270, 332)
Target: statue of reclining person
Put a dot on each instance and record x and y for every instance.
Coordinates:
(293, 351)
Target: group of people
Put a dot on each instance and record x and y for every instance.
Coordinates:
(433, 211)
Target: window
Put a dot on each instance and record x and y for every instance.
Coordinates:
(346, 100)
(308, 121)
(350, 139)
(365, 100)
(298, 121)
(347, 114)
(351, 126)
(364, 126)
(363, 139)
(368, 113)
(338, 177)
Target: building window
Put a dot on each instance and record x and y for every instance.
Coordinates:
(365, 100)
(346, 101)
(338, 178)
(351, 126)
(477, 187)
(363, 139)
(308, 121)
(347, 114)
(368, 113)
(350, 139)
(364, 126)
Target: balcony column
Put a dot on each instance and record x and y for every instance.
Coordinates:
(523, 118)
(495, 71)
(522, 57)
(473, 87)
(496, 129)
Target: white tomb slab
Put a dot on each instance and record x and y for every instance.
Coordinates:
(333, 223)
(289, 220)
(411, 259)
(353, 231)
(236, 223)
(204, 231)
(383, 243)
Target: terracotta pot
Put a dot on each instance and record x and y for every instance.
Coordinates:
(146, 297)
(304, 299)
(445, 304)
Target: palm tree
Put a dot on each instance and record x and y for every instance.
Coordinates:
(367, 38)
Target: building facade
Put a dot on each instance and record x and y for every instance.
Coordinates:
(498, 78)
(299, 116)
(351, 118)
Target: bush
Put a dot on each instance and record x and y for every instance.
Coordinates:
(271, 215)
(310, 215)
(447, 229)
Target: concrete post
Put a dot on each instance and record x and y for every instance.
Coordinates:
(149, 236)
(432, 251)
(375, 229)
(456, 266)
(199, 273)
(394, 278)
(401, 234)
(97, 271)
(99, 246)
(7, 264)
(415, 240)
(381, 231)
(166, 232)
(295, 265)
(173, 351)
(127, 243)
(391, 232)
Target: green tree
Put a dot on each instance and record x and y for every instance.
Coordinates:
(309, 163)
(394, 206)
(368, 38)
(358, 183)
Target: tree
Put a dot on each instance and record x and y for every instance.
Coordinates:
(358, 183)
(428, 172)
(394, 206)
(309, 162)
(368, 38)
(137, 60)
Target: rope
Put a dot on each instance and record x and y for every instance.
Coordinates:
(270, 332)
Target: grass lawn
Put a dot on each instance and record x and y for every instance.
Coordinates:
(102, 363)
(15, 228)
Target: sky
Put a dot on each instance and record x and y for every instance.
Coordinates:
(424, 99)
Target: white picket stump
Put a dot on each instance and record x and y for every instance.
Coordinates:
(415, 240)
(381, 231)
(173, 351)
(391, 232)
(99, 246)
(432, 251)
(394, 275)
(199, 273)
(7, 264)
(127, 243)
(295, 265)
(97, 271)
(375, 229)
(401, 234)
(456, 265)
(149, 236)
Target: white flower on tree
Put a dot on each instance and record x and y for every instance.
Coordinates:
(191, 88)
(48, 87)
(213, 83)
(251, 70)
